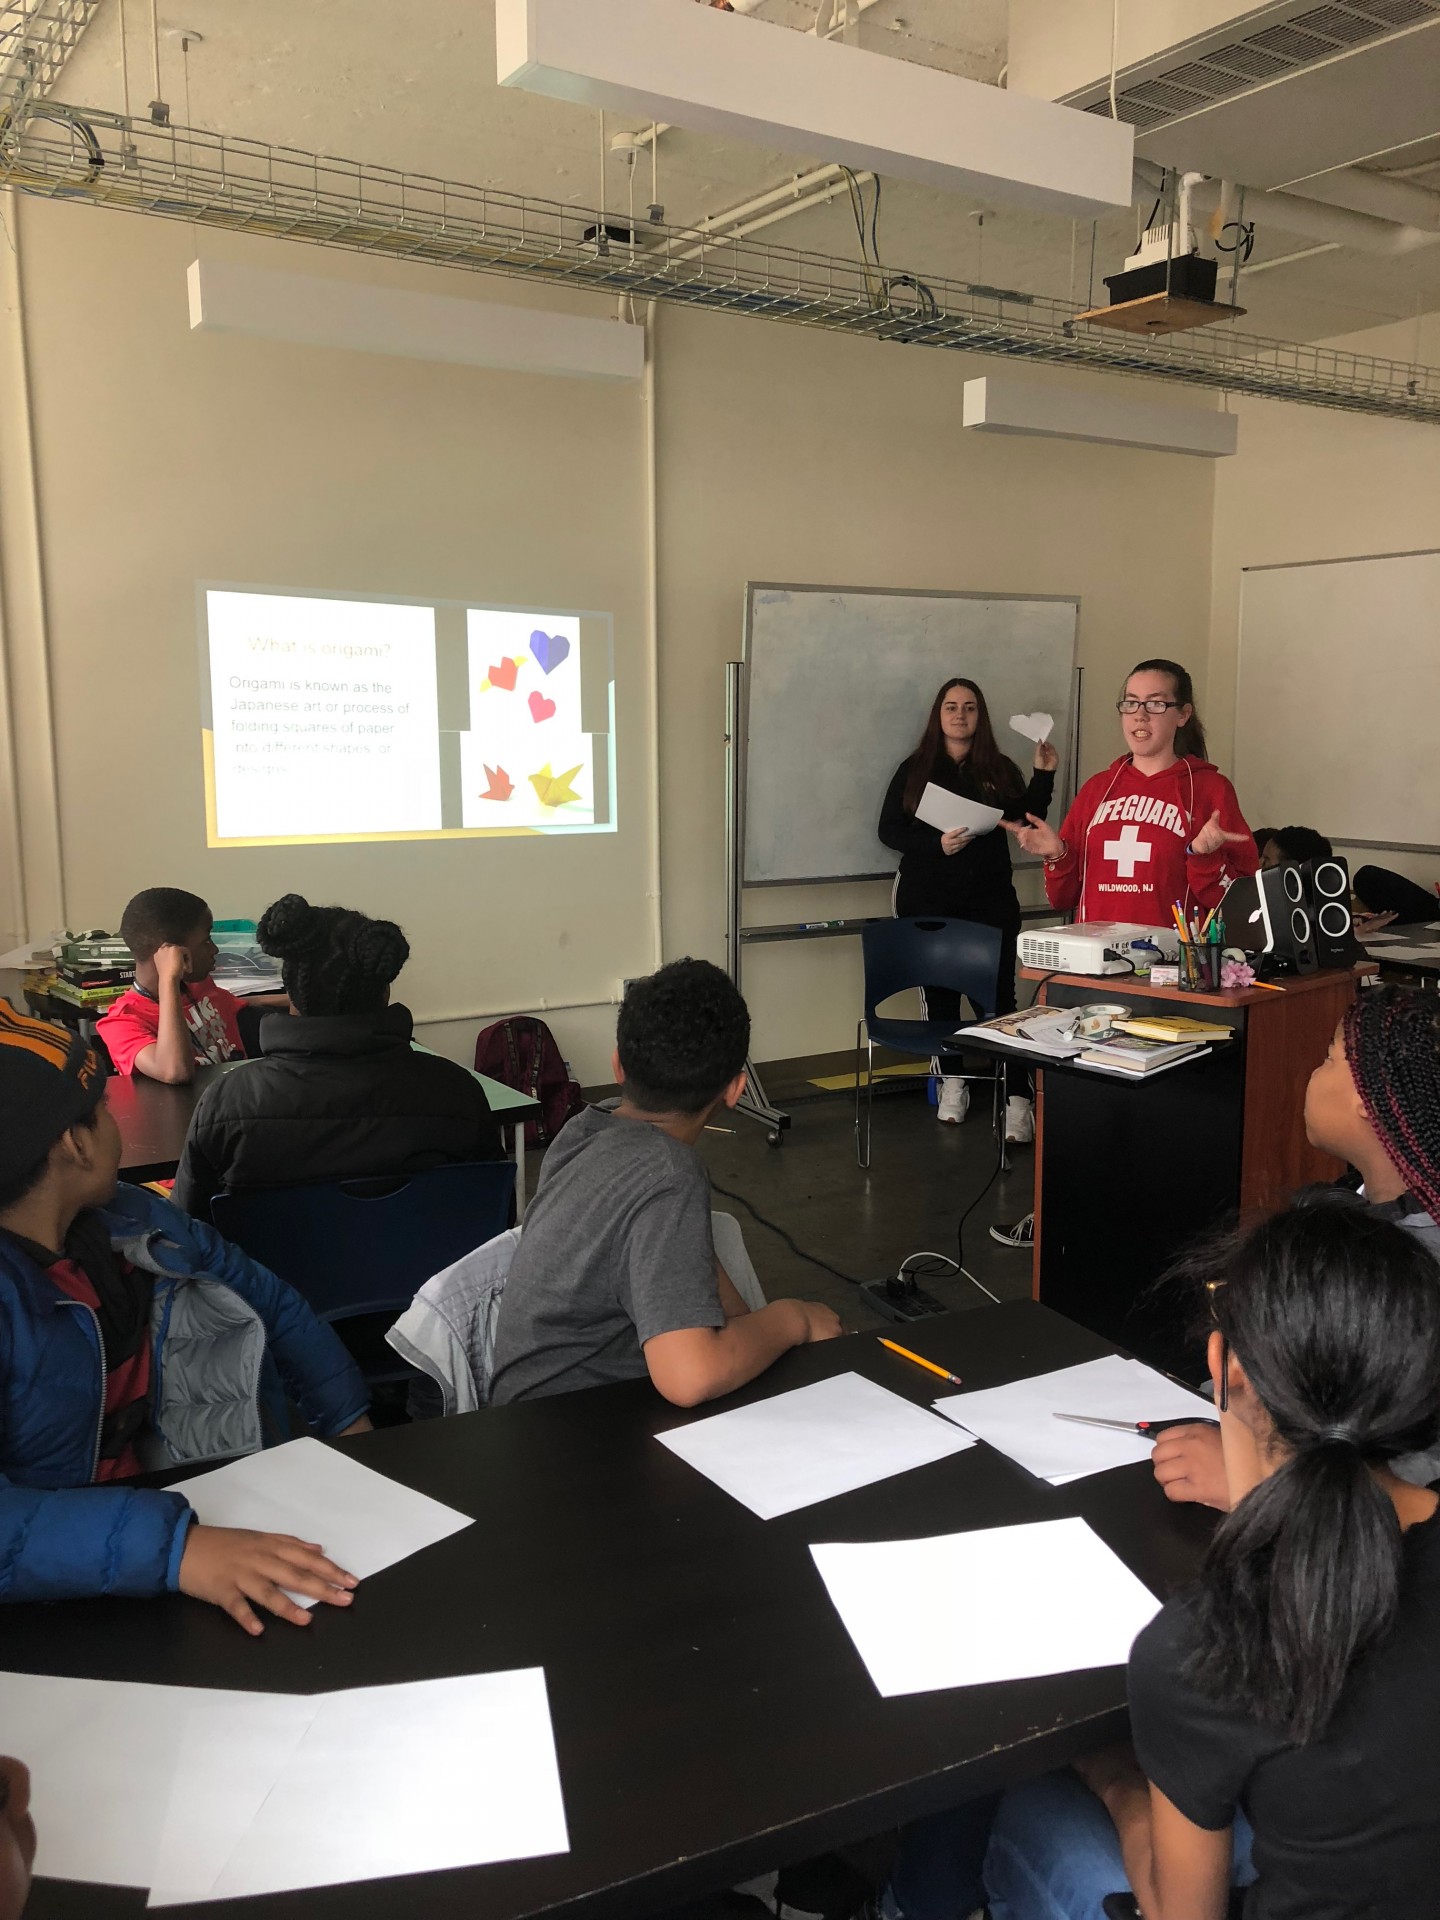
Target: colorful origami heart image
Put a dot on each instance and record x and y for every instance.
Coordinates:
(540, 707)
(504, 675)
(549, 649)
(554, 789)
(501, 785)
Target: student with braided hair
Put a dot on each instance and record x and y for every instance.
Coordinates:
(1374, 1102)
(338, 1093)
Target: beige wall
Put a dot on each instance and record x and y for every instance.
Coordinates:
(1313, 484)
(166, 457)
(787, 454)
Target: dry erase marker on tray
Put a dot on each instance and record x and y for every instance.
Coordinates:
(929, 1365)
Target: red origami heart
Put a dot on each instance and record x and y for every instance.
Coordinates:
(504, 675)
(540, 707)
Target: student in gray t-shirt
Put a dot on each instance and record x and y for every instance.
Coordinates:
(615, 1276)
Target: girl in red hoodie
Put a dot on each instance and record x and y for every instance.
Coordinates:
(1158, 825)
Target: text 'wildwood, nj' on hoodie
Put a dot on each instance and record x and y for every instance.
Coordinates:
(1126, 836)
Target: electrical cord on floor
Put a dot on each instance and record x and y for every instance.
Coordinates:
(813, 1259)
(960, 1227)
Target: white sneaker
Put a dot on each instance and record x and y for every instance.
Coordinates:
(954, 1100)
(1019, 1121)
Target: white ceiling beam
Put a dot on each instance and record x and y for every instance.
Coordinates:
(314, 310)
(716, 72)
(1114, 417)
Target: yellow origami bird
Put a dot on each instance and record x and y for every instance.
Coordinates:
(554, 789)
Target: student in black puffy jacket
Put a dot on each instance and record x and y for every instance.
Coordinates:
(338, 1092)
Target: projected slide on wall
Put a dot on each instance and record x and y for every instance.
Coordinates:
(328, 717)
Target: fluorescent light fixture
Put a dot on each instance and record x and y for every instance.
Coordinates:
(317, 311)
(1003, 403)
(731, 74)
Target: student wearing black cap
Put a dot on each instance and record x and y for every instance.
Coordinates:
(127, 1342)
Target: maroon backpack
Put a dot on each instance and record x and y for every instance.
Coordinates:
(522, 1053)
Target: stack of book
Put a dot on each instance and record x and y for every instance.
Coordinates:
(1145, 1042)
(93, 972)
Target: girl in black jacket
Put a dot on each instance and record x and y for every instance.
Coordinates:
(958, 876)
(338, 1092)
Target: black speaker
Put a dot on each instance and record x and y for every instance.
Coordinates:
(1269, 914)
(1328, 882)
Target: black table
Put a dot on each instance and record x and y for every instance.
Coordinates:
(154, 1118)
(711, 1716)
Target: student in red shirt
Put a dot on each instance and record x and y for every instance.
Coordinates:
(1159, 824)
(175, 1015)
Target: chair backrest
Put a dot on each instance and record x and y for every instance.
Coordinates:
(367, 1246)
(959, 954)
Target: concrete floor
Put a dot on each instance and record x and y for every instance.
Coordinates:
(922, 1177)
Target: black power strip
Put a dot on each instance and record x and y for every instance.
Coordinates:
(900, 1298)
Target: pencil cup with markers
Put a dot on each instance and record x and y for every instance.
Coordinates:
(1202, 945)
(1199, 968)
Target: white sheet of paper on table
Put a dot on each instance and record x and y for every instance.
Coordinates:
(1034, 726)
(948, 811)
(363, 1520)
(408, 1779)
(1019, 1419)
(102, 1757)
(813, 1443)
(233, 1749)
(1008, 1603)
(1406, 950)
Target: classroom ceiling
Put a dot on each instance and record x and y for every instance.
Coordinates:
(414, 88)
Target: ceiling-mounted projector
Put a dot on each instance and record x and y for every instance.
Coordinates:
(729, 73)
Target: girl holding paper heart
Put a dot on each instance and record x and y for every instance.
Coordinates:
(1160, 824)
(962, 875)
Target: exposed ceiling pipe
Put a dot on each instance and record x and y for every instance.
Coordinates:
(1319, 221)
(738, 229)
(1372, 193)
(794, 189)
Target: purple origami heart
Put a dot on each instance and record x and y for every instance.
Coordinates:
(549, 649)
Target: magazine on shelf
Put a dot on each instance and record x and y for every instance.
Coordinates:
(1048, 1031)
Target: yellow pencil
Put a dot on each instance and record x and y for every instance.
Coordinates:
(929, 1365)
(1268, 985)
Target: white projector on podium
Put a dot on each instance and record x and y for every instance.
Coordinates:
(1092, 946)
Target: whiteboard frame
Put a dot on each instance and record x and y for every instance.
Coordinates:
(742, 743)
(1295, 566)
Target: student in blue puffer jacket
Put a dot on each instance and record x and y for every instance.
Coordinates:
(133, 1338)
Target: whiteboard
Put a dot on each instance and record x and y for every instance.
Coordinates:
(1337, 697)
(838, 686)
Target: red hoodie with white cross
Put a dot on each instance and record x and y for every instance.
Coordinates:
(1126, 837)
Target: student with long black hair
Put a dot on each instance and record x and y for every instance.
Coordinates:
(960, 875)
(1292, 1697)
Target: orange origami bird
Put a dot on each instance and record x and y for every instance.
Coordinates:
(501, 785)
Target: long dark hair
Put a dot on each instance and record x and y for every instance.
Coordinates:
(1334, 1315)
(332, 959)
(1191, 737)
(995, 773)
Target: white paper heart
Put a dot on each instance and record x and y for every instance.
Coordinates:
(1034, 726)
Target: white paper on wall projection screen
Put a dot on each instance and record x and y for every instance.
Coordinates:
(328, 717)
(324, 716)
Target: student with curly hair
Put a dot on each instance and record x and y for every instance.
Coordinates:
(339, 1093)
(1374, 1102)
(615, 1277)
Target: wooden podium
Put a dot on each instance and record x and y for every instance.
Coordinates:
(1130, 1173)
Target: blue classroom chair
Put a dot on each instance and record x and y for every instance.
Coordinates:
(902, 954)
(365, 1247)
